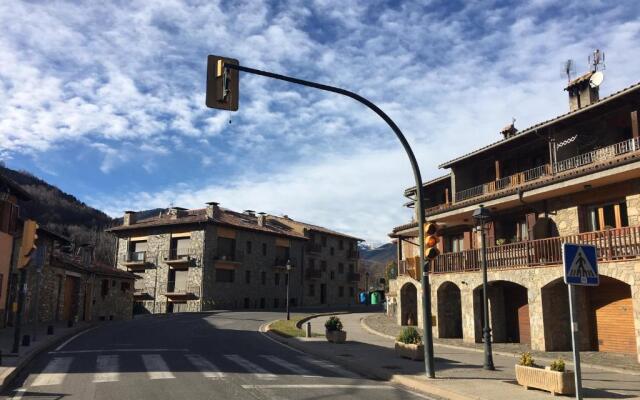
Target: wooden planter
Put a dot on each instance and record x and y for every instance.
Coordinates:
(410, 351)
(336, 336)
(545, 379)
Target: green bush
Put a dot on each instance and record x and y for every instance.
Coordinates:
(526, 360)
(557, 365)
(333, 324)
(409, 335)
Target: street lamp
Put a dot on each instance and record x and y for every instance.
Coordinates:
(288, 271)
(366, 288)
(481, 216)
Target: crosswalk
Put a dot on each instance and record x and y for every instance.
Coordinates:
(108, 367)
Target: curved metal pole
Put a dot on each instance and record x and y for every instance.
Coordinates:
(426, 289)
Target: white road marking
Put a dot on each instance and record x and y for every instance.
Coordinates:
(66, 342)
(319, 386)
(115, 351)
(19, 393)
(107, 367)
(54, 373)
(205, 366)
(296, 369)
(255, 369)
(156, 367)
(331, 366)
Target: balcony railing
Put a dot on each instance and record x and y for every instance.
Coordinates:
(612, 245)
(180, 254)
(181, 289)
(137, 259)
(607, 153)
(237, 256)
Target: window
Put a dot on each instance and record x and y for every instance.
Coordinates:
(282, 255)
(137, 251)
(226, 249)
(323, 240)
(248, 247)
(124, 286)
(247, 276)
(323, 265)
(8, 217)
(104, 290)
(607, 216)
(224, 275)
(352, 291)
(179, 247)
(340, 268)
(341, 244)
(340, 291)
(262, 302)
(276, 278)
(263, 277)
(454, 243)
(312, 290)
(113, 283)
(312, 263)
(247, 302)
(332, 275)
(331, 251)
(264, 249)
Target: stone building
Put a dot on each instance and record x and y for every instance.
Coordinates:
(574, 178)
(331, 274)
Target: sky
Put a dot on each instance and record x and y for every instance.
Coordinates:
(106, 100)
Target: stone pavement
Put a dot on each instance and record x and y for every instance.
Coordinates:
(459, 370)
(611, 361)
(11, 363)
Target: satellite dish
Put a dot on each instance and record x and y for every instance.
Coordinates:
(596, 79)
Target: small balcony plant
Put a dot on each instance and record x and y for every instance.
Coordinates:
(409, 344)
(333, 330)
(553, 378)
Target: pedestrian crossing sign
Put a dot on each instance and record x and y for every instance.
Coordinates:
(580, 264)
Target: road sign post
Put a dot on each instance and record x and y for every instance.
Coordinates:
(580, 268)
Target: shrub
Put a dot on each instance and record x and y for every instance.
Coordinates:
(333, 324)
(557, 365)
(409, 335)
(526, 360)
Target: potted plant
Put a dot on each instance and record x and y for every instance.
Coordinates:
(553, 378)
(334, 332)
(409, 344)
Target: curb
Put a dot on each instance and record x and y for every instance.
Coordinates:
(306, 319)
(6, 378)
(369, 329)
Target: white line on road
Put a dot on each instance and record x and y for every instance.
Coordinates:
(54, 373)
(107, 367)
(208, 369)
(296, 369)
(115, 351)
(331, 366)
(319, 386)
(19, 393)
(66, 342)
(156, 367)
(255, 369)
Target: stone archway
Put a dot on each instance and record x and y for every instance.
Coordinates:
(449, 311)
(408, 304)
(508, 312)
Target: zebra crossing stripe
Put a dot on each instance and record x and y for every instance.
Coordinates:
(330, 366)
(156, 367)
(255, 369)
(54, 373)
(296, 369)
(208, 369)
(107, 369)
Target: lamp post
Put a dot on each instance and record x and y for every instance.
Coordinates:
(288, 271)
(482, 215)
(366, 287)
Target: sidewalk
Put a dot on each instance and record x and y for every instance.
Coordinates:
(12, 364)
(459, 370)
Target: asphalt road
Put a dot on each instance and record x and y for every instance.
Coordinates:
(190, 356)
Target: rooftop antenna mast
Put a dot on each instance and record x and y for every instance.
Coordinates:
(569, 69)
(596, 61)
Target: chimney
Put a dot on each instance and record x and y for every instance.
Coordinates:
(129, 218)
(176, 212)
(509, 130)
(581, 92)
(250, 212)
(262, 219)
(212, 209)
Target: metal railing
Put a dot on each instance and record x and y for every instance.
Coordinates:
(180, 254)
(181, 288)
(135, 256)
(237, 256)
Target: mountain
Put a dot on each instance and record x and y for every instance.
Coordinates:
(375, 261)
(64, 214)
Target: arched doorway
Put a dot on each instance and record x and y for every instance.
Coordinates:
(449, 311)
(409, 304)
(508, 312)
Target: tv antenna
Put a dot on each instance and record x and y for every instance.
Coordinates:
(596, 61)
(569, 69)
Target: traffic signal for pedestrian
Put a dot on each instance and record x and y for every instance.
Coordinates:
(222, 83)
(28, 245)
(431, 241)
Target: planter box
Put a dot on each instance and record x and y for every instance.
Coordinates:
(336, 336)
(552, 381)
(410, 351)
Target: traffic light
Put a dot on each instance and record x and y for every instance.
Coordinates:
(222, 84)
(431, 241)
(28, 245)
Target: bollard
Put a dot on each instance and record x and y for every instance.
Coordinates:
(308, 329)
(26, 340)
(0, 357)
(70, 323)
(50, 330)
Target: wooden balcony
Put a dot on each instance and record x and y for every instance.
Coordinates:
(176, 292)
(180, 258)
(612, 245)
(137, 261)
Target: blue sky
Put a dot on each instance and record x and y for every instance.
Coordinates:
(107, 100)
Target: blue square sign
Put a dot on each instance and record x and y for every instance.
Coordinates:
(580, 264)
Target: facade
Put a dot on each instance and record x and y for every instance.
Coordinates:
(574, 178)
(332, 274)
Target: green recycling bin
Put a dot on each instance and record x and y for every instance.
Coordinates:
(375, 298)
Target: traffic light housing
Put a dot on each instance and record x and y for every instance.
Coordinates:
(222, 84)
(28, 245)
(431, 241)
